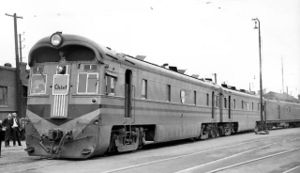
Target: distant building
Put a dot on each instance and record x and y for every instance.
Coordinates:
(8, 89)
(281, 96)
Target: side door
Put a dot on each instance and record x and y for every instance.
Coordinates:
(221, 105)
(129, 93)
(229, 107)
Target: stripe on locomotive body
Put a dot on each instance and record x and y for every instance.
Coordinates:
(76, 125)
(153, 109)
(74, 111)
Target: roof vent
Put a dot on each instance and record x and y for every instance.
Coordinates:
(140, 57)
(195, 75)
(224, 85)
(165, 65)
(243, 90)
(182, 71)
(173, 68)
(7, 65)
(232, 87)
(208, 79)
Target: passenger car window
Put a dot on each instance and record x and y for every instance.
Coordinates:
(144, 89)
(182, 96)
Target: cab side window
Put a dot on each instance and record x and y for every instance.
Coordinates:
(110, 85)
(87, 83)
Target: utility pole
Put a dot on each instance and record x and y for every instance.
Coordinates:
(20, 47)
(282, 78)
(262, 127)
(19, 89)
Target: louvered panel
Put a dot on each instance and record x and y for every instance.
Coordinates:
(59, 108)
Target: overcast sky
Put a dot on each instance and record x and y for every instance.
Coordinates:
(202, 36)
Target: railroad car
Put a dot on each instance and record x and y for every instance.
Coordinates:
(85, 100)
(282, 113)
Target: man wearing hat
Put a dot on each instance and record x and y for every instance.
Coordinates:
(15, 129)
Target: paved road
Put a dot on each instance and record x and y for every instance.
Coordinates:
(277, 152)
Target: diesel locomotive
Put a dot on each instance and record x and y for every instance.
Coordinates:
(85, 100)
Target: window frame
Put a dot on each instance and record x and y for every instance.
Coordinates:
(182, 95)
(169, 93)
(242, 104)
(217, 101)
(225, 103)
(144, 87)
(195, 97)
(5, 96)
(86, 84)
(45, 78)
(108, 90)
(234, 104)
(207, 99)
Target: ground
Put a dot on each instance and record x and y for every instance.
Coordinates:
(278, 151)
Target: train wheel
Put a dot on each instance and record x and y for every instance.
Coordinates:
(141, 137)
(227, 130)
(216, 131)
(221, 131)
(204, 134)
(127, 140)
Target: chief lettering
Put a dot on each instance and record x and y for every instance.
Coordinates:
(60, 87)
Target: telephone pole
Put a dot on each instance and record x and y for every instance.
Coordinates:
(19, 89)
(20, 47)
(282, 79)
(262, 127)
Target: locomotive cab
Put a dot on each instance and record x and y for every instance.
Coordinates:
(63, 102)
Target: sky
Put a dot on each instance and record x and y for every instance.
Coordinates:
(201, 36)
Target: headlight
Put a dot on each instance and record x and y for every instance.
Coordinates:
(56, 39)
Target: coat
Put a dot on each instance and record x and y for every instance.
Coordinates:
(7, 123)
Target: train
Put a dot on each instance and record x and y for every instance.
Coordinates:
(87, 100)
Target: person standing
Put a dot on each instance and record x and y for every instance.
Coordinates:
(0, 136)
(15, 130)
(7, 124)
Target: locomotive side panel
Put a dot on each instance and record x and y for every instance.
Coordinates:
(169, 104)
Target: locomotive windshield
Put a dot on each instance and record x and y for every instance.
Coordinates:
(38, 84)
(70, 53)
(38, 81)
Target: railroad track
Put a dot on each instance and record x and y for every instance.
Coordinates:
(247, 162)
(252, 149)
(252, 160)
(217, 155)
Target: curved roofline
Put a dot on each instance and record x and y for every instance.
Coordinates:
(69, 40)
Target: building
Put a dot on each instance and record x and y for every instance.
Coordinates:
(8, 97)
(281, 96)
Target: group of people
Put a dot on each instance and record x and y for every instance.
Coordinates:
(11, 126)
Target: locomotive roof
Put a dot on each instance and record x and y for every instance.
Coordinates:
(102, 52)
(149, 65)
